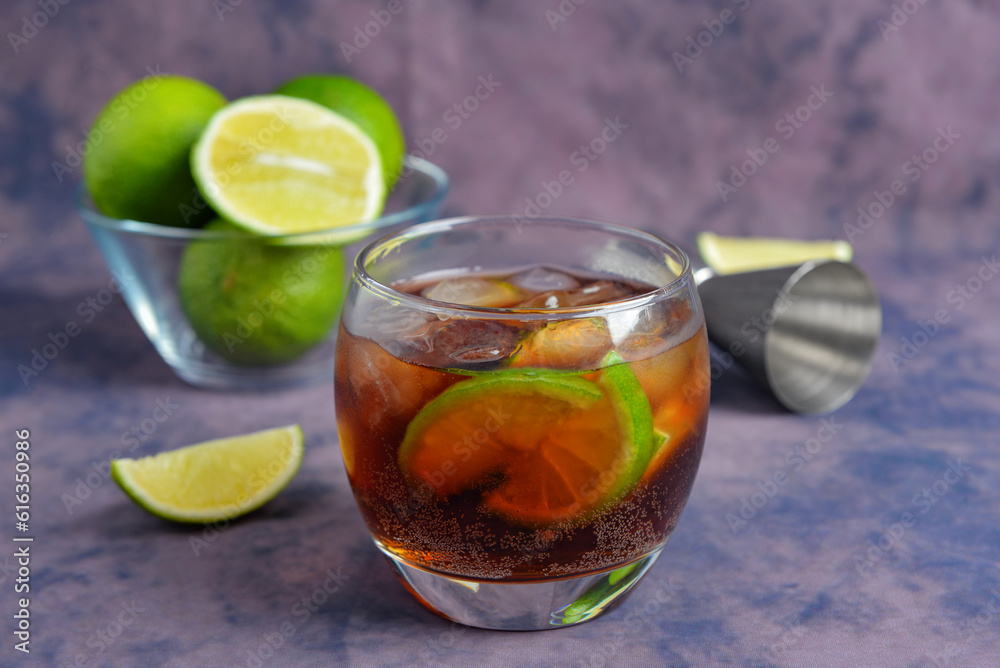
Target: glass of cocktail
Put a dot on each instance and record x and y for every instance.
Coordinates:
(521, 407)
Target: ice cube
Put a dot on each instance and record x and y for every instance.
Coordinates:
(550, 299)
(543, 279)
(393, 320)
(597, 292)
(571, 344)
(385, 386)
(642, 346)
(475, 291)
(657, 328)
(399, 329)
(478, 343)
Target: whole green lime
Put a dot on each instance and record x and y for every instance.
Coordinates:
(362, 105)
(138, 166)
(255, 302)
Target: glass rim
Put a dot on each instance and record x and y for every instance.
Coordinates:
(360, 273)
(85, 207)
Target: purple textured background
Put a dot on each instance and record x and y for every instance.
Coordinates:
(786, 588)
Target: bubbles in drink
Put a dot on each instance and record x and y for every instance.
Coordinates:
(497, 446)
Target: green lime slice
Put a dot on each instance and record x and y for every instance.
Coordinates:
(598, 596)
(635, 415)
(561, 446)
(215, 480)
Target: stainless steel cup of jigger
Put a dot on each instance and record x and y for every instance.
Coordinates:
(808, 331)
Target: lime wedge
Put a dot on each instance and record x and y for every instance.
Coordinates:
(561, 447)
(730, 255)
(216, 480)
(282, 165)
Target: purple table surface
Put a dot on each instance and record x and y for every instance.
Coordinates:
(819, 571)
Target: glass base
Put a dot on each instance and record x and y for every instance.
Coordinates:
(521, 606)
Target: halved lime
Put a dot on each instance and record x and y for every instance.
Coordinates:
(730, 255)
(362, 105)
(215, 480)
(282, 165)
(545, 447)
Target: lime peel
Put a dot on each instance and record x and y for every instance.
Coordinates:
(595, 599)
(633, 408)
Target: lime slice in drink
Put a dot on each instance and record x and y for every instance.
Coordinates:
(635, 416)
(255, 303)
(730, 255)
(544, 447)
(358, 103)
(216, 480)
(598, 596)
(138, 165)
(280, 165)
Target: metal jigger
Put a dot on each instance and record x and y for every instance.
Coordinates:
(808, 331)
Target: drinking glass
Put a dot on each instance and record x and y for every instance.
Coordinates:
(521, 466)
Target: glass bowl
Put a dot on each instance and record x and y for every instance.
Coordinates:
(145, 260)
